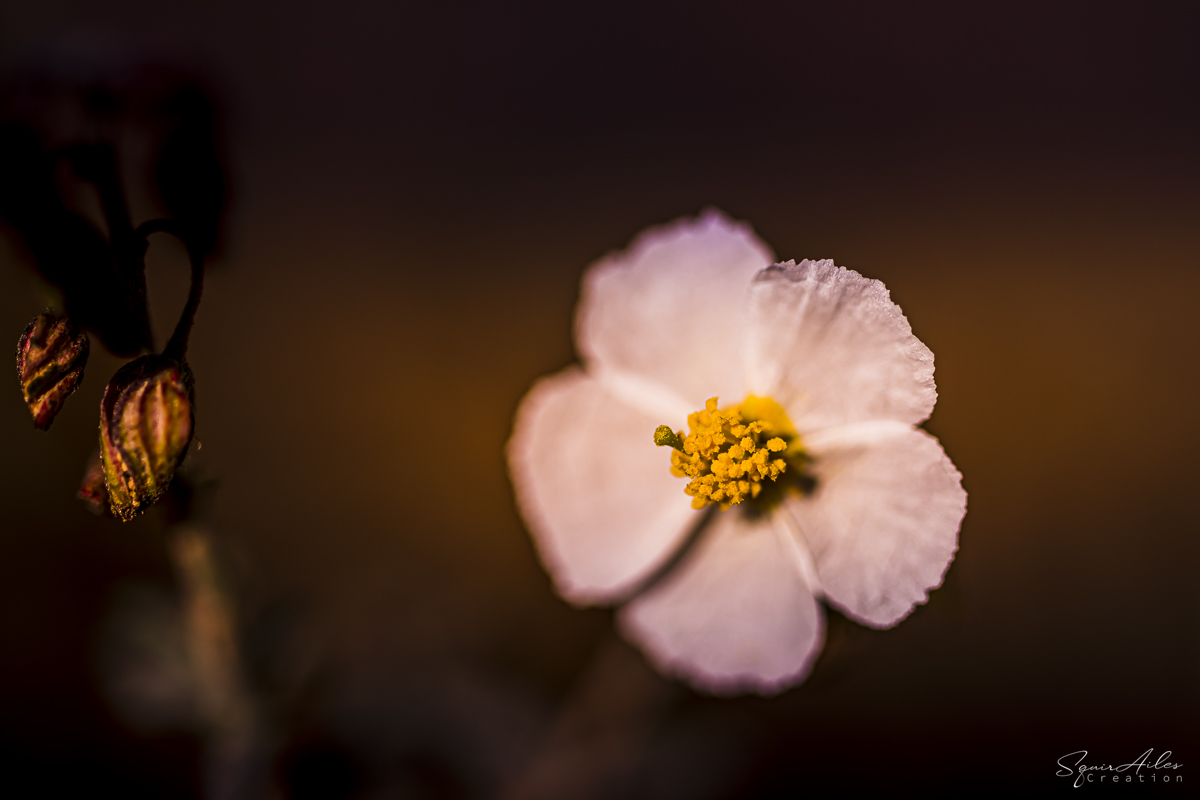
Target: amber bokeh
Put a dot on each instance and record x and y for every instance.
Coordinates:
(416, 195)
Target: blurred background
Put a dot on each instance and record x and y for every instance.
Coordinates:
(411, 195)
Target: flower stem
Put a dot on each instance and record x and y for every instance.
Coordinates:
(177, 346)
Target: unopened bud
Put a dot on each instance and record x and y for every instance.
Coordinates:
(146, 421)
(51, 354)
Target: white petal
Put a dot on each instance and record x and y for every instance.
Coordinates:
(597, 494)
(669, 309)
(831, 347)
(882, 524)
(736, 615)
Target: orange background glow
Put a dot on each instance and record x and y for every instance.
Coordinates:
(415, 194)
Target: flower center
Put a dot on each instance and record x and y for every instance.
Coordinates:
(745, 452)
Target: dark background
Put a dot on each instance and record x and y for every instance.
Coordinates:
(415, 193)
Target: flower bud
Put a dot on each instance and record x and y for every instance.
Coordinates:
(51, 354)
(146, 421)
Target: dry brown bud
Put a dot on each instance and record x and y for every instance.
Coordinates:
(146, 421)
(51, 354)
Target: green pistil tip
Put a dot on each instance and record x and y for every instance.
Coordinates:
(665, 437)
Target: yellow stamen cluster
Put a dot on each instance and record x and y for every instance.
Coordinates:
(727, 458)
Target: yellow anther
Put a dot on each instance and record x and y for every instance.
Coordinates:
(727, 452)
(665, 437)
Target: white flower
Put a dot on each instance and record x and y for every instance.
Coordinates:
(689, 312)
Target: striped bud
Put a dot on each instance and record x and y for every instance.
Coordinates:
(51, 354)
(146, 421)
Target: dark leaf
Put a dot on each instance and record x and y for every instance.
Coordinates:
(103, 287)
(191, 178)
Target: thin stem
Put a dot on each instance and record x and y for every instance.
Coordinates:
(177, 347)
(223, 700)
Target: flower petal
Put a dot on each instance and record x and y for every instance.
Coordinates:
(596, 493)
(669, 309)
(882, 524)
(832, 348)
(736, 614)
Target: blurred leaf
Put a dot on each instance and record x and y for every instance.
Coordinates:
(191, 178)
(103, 287)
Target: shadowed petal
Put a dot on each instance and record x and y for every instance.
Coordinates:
(597, 494)
(832, 348)
(670, 308)
(883, 522)
(736, 615)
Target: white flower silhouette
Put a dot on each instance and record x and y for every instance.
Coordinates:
(689, 312)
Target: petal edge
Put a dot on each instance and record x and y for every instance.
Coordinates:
(832, 348)
(735, 616)
(670, 307)
(883, 523)
(596, 494)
